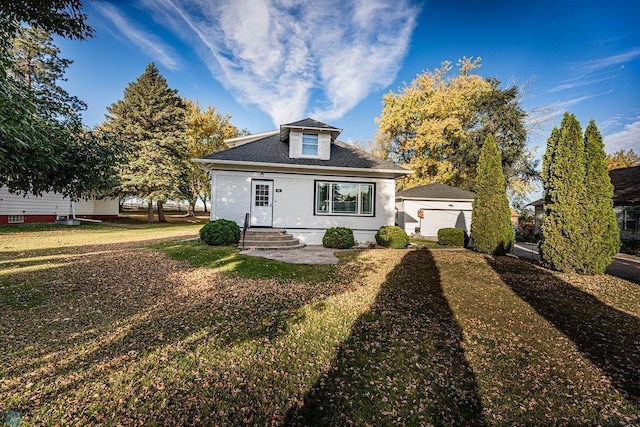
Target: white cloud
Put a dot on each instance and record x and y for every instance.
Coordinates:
(627, 138)
(148, 43)
(548, 112)
(602, 63)
(574, 83)
(294, 58)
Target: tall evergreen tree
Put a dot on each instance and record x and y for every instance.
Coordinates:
(602, 231)
(491, 228)
(151, 116)
(563, 243)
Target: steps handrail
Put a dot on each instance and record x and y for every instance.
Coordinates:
(244, 228)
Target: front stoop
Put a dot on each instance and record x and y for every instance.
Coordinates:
(269, 238)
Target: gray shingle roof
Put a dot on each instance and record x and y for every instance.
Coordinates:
(310, 123)
(435, 191)
(271, 150)
(626, 186)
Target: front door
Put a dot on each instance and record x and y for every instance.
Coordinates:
(261, 203)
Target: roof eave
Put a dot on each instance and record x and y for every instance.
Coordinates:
(209, 164)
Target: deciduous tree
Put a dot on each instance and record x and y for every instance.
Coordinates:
(151, 117)
(44, 144)
(622, 159)
(436, 126)
(205, 132)
(491, 228)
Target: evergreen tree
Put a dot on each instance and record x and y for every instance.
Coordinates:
(563, 242)
(491, 228)
(151, 117)
(602, 233)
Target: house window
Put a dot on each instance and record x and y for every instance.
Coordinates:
(630, 219)
(262, 195)
(309, 144)
(15, 219)
(344, 198)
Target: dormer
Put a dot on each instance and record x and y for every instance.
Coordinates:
(309, 139)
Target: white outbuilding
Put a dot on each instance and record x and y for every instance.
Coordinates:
(439, 205)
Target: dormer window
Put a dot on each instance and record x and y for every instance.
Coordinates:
(309, 144)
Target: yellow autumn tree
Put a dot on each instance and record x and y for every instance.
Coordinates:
(436, 125)
(205, 132)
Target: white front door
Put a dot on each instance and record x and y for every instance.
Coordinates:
(261, 203)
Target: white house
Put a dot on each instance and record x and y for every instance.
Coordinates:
(19, 209)
(303, 180)
(442, 206)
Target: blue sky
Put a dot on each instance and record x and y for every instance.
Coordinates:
(266, 62)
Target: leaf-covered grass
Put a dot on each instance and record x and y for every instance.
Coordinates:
(123, 334)
(417, 243)
(228, 259)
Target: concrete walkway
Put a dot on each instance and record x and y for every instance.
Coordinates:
(312, 254)
(623, 266)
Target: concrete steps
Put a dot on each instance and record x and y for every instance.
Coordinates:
(269, 238)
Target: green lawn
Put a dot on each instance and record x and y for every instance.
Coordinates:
(112, 326)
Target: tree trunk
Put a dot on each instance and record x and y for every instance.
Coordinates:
(161, 217)
(150, 210)
(191, 210)
(203, 197)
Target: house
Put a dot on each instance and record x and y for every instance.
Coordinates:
(441, 206)
(19, 209)
(302, 179)
(626, 203)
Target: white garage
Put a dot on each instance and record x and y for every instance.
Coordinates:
(442, 206)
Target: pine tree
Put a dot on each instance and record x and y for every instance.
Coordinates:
(151, 117)
(563, 243)
(602, 231)
(491, 228)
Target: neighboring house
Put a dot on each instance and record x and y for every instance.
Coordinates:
(626, 202)
(19, 209)
(442, 206)
(302, 179)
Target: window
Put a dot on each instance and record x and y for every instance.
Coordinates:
(630, 219)
(15, 219)
(309, 144)
(262, 195)
(344, 198)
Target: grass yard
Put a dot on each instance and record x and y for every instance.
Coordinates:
(105, 325)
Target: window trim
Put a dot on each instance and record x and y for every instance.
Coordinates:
(316, 145)
(358, 199)
(636, 219)
(15, 219)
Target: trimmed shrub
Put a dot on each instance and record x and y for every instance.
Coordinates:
(391, 236)
(338, 238)
(221, 232)
(451, 237)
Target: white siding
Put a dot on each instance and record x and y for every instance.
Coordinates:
(295, 144)
(437, 214)
(52, 204)
(293, 204)
(324, 146)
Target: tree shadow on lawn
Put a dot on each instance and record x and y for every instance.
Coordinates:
(403, 362)
(610, 338)
(110, 311)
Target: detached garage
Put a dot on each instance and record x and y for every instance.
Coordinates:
(442, 206)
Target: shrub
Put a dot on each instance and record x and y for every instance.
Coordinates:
(491, 228)
(338, 238)
(221, 232)
(391, 236)
(451, 237)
